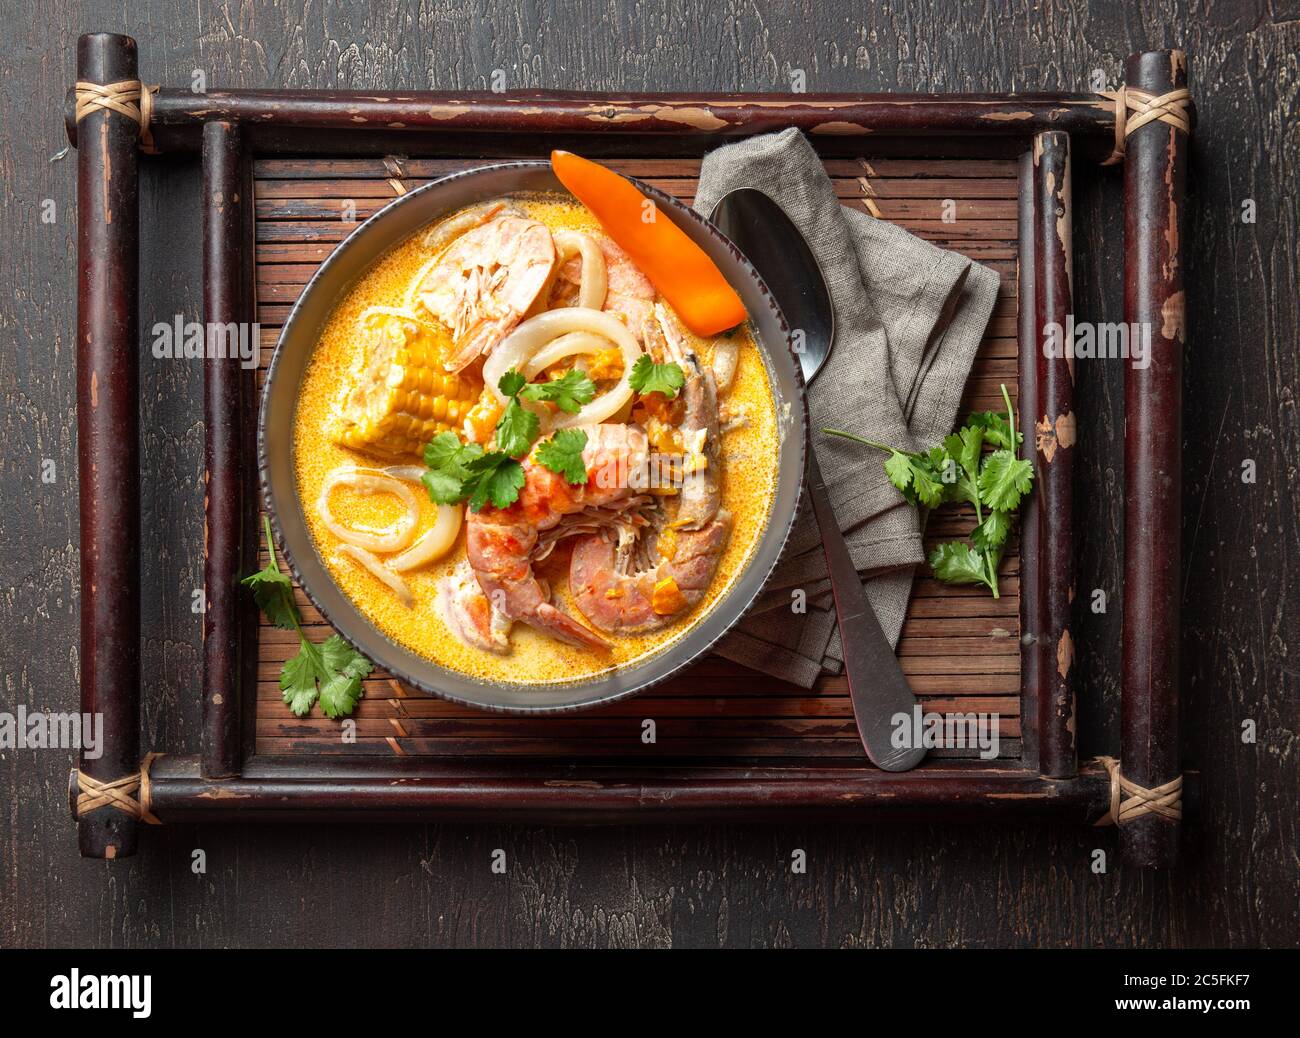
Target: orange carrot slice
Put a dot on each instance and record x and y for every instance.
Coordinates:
(677, 267)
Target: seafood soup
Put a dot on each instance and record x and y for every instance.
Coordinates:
(517, 459)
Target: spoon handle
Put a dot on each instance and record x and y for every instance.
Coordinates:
(877, 688)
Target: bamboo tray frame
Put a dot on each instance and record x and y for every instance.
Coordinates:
(238, 132)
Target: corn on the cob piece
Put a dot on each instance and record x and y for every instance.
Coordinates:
(399, 396)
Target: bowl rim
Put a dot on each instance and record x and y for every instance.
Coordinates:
(801, 420)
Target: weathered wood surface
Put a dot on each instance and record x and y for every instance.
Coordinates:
(681, 885)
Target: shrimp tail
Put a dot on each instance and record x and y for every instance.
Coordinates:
(550, 620)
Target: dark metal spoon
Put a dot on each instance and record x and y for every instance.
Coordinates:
(877, 688)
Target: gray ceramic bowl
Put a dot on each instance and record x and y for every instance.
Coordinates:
(387, 228)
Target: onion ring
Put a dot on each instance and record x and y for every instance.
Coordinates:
(594, 281)
(369, 481)
(380, 571)
(436, 541)
(521, 345)
(556, 350)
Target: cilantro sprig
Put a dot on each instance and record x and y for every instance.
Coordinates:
(459, 472)
(959, 470)
(329, 673)
(648, 377)
(494, 477)
(448, 462)
(466, 472)
(568, 392)
(517, 427)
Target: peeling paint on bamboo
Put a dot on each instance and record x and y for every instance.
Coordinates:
(1155, 171)
(1053, 434)
(388, 789)
(1031, 623)
(179, 114)
(107, 448)
(224, 302)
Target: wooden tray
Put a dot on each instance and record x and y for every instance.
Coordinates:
(960, 648)
(730, 743)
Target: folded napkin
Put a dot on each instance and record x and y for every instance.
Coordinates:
(909, 317)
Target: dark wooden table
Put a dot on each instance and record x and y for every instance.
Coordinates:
(685, 886)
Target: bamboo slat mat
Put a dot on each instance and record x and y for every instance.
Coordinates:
(960, 648)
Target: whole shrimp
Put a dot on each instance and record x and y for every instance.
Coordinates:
(485, 282)
(618, 592)
(503, 543)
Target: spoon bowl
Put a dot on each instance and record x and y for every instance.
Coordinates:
(761, 230)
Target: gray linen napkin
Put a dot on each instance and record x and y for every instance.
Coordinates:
(909, 317)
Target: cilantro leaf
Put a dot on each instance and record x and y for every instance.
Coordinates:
(335, 667)
(272, 589)
(568, 392)
(965, 445)
(458, 471)
(927, 486)
(445, 451)
(517, 428)
(274, 594)
(501, 486)
(915, 476)
(562, 454)
(955, 562)
(648, 377)
(1004, 478)
(339, 695)
(511, 383)
(898, 467)
(991, 534)
(952, 446)
(443, 488)
(496, 477)
(337, 654)
(965, 490)
(995, 428)
(448, 460)
(299, 676)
